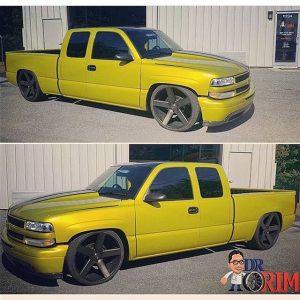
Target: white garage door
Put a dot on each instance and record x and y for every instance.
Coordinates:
(53, 34)
(240, 169)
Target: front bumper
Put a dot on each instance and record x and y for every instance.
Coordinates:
(46, 262)
(219, 112)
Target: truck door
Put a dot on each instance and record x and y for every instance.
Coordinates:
(171, 223)
(215, 206)
(72, 64)
(110, 79)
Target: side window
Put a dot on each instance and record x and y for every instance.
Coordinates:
(209, 182)
(77, 44)
(175, 183)
(107, 45)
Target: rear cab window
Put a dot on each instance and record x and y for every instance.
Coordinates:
(78, 44)
(107, 45)
(210, 183)
(174, 183)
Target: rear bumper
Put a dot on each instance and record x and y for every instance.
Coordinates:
(219, 112)
(45, 262)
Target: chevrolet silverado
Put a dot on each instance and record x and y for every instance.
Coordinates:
(136, 68)
(139, 210)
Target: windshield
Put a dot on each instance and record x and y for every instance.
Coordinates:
(152, 43)
(121, 182)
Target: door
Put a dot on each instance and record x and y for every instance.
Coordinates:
(287, 39)
(111, 80)
(215, 206)
(171, 223)
(53, 35)
(239, 173)
(72, 65)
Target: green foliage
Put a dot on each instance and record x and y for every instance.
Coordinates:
(11, 23)
(288, 167)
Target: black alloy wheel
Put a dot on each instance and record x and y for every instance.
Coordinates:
(96, 257)
(29, 86)
(174, 108)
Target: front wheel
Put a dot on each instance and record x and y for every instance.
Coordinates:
(94, 258)
(174, 108)
(267, 232)
(29, 86)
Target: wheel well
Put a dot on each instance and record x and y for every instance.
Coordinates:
(272, 212)
(154, 86)
(119, 232)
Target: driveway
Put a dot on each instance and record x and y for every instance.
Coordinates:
(275, 118)
(188, 273)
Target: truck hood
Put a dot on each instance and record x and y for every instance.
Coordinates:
(40, 208)
(218, 65)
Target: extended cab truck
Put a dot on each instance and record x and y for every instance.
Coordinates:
(136, 68)
(140, 210)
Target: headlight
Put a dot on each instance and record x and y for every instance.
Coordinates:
(222, 95)
(39, 226)
(222, 81)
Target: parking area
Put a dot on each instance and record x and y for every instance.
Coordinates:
(275, 118)
(189, 273)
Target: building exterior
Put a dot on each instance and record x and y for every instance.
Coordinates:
(260, 36)
(28, 170)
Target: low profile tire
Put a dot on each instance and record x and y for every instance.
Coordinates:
(29, 86)
(267, 232)
(174, 108)
(94, 258)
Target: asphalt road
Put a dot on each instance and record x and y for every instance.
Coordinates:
(188, 273)
(275, 118)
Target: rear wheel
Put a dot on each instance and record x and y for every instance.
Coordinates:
(174, 108)
(29, 86)
(96, 257)
(267, 232)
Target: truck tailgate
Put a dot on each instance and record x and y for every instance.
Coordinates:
(43, 65)
(252, 205)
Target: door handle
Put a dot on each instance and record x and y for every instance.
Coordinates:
(91, 68)
(193, 210)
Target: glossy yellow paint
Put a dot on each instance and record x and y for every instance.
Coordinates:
(149, 230)
(129, 84)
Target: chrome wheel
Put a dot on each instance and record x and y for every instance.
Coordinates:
(174, 108)
(253, 281)
(95, 258)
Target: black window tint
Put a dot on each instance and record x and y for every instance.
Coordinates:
(209, 182)
(175, 183)
(78, 44)
(107, 45)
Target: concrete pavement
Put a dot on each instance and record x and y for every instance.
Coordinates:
(275, 118)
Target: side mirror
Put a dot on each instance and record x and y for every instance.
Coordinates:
(124, 56)
(154, 197)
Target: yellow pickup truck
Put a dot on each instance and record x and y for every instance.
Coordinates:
(139, 210)
(137, 68)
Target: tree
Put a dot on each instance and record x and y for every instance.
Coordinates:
(11, 23)
(288, 167)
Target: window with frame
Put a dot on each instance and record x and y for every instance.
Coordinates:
(107, 45)
(209, 182)
(78, 44)
(174, 183)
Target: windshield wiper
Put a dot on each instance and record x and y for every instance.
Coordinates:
(159, 53)
(113, 194)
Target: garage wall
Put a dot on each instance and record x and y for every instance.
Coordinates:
(250, 165)
(34, 18)
(239, 32)
(30, 169)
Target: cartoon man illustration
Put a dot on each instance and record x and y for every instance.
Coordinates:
(236, 265)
